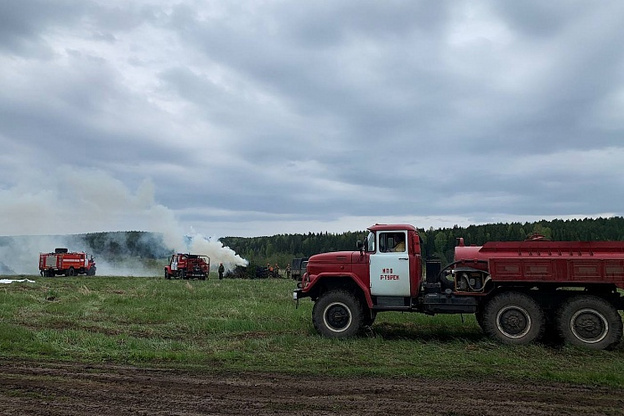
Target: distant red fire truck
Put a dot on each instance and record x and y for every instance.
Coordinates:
(63, 262)
(187, 266)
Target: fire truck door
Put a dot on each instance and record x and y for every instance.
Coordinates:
(389, 266)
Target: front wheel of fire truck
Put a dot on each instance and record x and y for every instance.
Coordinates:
(590, 322)
(513, 318)
(337, 314)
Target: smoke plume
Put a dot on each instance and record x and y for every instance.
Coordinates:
(64, 206)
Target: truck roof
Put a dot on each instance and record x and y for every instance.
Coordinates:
(392, 227)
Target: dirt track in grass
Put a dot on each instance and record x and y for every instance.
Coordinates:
(34, 388)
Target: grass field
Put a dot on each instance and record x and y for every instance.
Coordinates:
(253, 325)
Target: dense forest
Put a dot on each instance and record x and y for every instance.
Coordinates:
(282, 248)
(138, 244)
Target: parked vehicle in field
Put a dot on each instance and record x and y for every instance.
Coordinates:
(63, 262)
(188, 266)
(519, 291)
(298, 267)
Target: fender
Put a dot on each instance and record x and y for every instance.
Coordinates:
(335, 277)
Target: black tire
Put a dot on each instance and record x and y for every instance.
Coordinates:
(513, 318)
(590, 322)
(337, 314)
(167, 275)
(70, 272)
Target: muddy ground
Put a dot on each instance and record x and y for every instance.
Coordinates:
(76, 389)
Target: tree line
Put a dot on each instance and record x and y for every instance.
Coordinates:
(280, 249)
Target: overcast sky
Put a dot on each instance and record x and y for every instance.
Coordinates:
(249, 118)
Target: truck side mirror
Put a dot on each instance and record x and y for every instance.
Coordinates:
(360, 246)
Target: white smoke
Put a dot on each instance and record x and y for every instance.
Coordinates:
(20, 255)
(125, 268)
(67, 200)
(217, 252)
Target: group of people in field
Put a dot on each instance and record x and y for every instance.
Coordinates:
(275, 270)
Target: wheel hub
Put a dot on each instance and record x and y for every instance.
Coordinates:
(589, 326)
(337, 317)
(513, 321)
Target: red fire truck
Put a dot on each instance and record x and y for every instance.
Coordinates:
(518, 291)
(186, 266)
(66, 263)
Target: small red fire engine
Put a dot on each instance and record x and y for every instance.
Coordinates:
(66, 263)
(186, 266)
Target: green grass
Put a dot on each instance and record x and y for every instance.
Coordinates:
(253, 325)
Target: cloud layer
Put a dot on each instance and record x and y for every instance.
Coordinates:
(252, 118)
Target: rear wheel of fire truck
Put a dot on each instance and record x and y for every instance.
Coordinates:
(337, 314)
(590, 322)
(513, 318)
(70, 272)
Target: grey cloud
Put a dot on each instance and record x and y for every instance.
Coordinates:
(22, 24)
(536, 18)
(250, 112)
